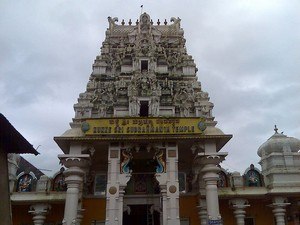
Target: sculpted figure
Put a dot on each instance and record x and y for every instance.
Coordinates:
(92, 83)
(102, 110)
(154, 106)
(161, 165)
(186, 111)
(133, 106)
(112, 22)
(95, 96)
(25, 183)
(127, 156)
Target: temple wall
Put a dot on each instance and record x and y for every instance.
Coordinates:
(188, 209)
(227, 213)
(258, 210)
(94, 210)
(22, 217)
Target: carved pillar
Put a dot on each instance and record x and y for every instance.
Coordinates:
(13, 162)
(169, 185)
(239, 206)
(210, 176)
(202, 211)
(116, 183)
(43, 184)
(278, 205)
(80, 210)
(73, 178)
(172, 184)
(164, 205)
(161, 178)
(39, 212)
(121, 202)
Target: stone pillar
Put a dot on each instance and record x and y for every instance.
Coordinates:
(80, 210)
(236, 180)
(121, 202)
(172, 184)
(169, 185)
(239, 206)
(163, 191)
(43, 184)
(202, 211)
(73, 178)
(278, 205)
(13, 162)
(39, 212)
(210, 176)
(116, 183)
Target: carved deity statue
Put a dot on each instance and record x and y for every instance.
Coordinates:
(154, 106)
(102, 110)
(134, 106)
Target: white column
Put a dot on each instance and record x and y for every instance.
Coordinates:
(239, 206)
(121, 203)
(202, 211)
(80, 210)
(210, 176)
(73, 178)
(278, 205)
(13, 162)
(169, 185)
(172, 184)
(116, 183)
(164, 204)
(39, 212)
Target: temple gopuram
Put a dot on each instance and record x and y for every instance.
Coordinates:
(144, 149)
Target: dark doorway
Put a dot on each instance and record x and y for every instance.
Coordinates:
(144, 109)
(141, 215)
(144, 65)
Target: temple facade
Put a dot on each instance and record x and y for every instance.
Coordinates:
(144, 148)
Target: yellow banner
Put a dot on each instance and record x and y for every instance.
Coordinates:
(138, 126)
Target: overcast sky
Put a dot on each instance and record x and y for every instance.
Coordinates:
(247, 53)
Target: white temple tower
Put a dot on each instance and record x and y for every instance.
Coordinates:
(144, 128)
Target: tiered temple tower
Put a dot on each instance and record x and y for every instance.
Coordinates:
(143, 136)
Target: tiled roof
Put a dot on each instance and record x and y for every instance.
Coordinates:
(11, 141)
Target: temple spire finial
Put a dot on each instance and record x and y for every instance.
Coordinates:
(142, 9)
(276, 129)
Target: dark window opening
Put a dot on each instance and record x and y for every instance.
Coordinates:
(249, 221)
(144, 65)
(144, 109)
(141, 214)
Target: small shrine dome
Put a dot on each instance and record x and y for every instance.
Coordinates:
(279, 143)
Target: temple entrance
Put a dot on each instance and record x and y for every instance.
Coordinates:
(141, 215)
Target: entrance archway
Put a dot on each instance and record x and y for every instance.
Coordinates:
(141, 215)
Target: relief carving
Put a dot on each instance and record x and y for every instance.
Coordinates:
(117, 79)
